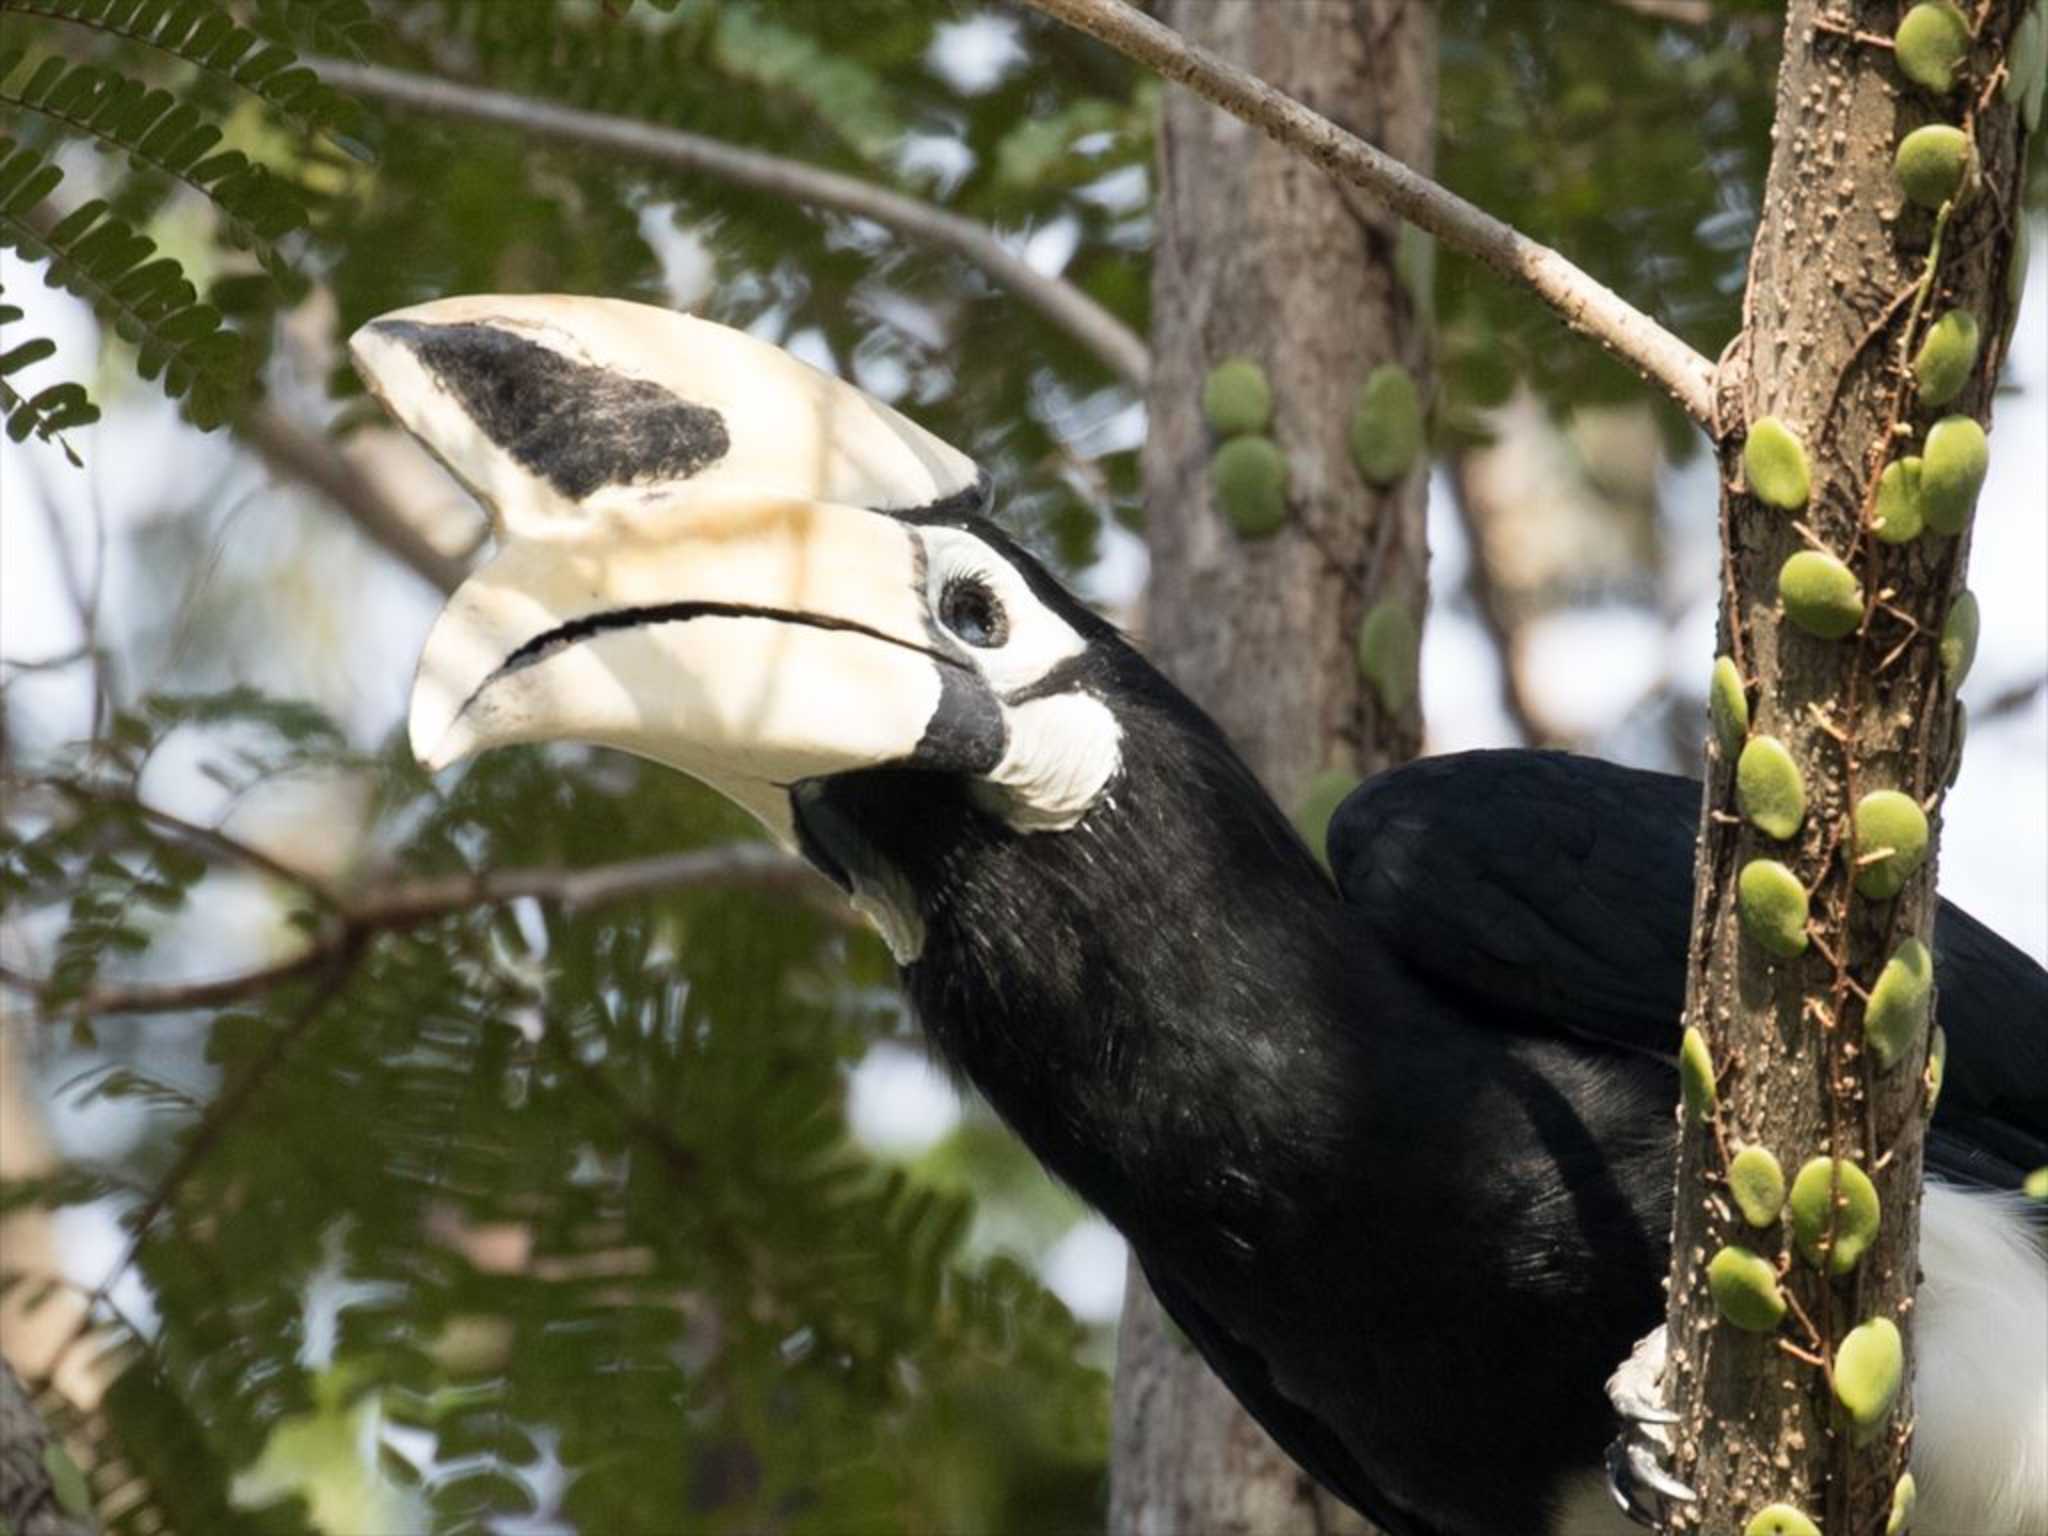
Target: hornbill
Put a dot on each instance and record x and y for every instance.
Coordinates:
(1395, 1149)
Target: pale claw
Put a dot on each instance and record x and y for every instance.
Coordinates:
(1635, 1461)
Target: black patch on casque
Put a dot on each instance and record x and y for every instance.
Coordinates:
(970, 501)
(577, 426)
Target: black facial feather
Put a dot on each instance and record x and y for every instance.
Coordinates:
(577, 426)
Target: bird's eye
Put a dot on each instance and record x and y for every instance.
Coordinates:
(971, 611)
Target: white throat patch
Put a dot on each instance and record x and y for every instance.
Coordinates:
(1063, 750)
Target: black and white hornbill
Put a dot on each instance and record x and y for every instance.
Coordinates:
(1394, 1151)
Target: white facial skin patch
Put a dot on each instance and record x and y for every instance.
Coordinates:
(1063, 751)
(1063, 748)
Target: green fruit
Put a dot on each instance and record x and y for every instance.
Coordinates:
(1898, 519)
(1937, 1066)
(1869, 1366)
(2026, 64)
(1727, 706)
(1696, 1076)
(1775, 461)
(1833, 1187)
(1758, 1185)
(1249, 477)
(1769, 787)
(1390, 653)
(1745, 1289)
(66, 1481)
(1935, 164)
(2016, 268)
(1957, 736)
(1779, 1520)
(1319, 802)
(1821, 594)
(1905, 1493)
(1953, 463)
(1959, 637)
(1386, 425)
(1772, 906)
(1932, 40)
(1236, 398)
(1947, 356)
(1897, 1010)
(1892, 825)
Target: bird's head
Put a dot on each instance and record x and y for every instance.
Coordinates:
(716, 557)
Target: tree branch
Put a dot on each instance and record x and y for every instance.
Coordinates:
(411, 903)
(1585, 304)
(1114, 343)
(1492, 606)
(290, 449)
(2010, 701)
(1684, 13)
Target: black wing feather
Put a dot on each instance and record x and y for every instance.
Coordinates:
(1554, 894)
(1294, 1429)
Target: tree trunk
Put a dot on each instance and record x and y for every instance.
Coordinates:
(1261, 255)
(1842, 290)
(42, 1493)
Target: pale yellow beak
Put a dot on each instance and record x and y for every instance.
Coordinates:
(749, 643)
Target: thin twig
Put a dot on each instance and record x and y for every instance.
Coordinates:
(226, 1109)
(412, 903)
(1684, 13)
(216, 842)
(1114, 343)
(2010, 701)
(1493, 608)
(1585, 304)
(291, 450)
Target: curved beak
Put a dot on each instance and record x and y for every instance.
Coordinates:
(751, 643)
(687, 568)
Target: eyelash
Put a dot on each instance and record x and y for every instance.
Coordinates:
(969, 610)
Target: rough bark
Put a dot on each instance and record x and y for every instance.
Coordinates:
(31, 1501)
(1835, 309)
(1260, 254)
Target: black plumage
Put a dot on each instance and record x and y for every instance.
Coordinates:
(1395, 1151)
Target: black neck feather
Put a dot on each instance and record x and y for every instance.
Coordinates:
(1151, 998)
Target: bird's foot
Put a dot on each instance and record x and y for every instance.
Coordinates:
(1637, 1458)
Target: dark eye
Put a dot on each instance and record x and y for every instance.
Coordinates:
(971, 611)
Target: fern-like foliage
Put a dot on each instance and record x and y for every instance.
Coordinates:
(204, 350)
(333, 26)
(205, 35)
(721, 1316)
(144, 296)
(49, 412)
(155, 128)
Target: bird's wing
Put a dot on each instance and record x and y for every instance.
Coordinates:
(1293, 1428)
(1553, 894)
(1550, 890)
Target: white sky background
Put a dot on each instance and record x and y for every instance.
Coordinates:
(364, 617)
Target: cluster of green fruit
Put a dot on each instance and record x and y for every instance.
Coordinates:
(1248, 473)
(1832, 1207)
